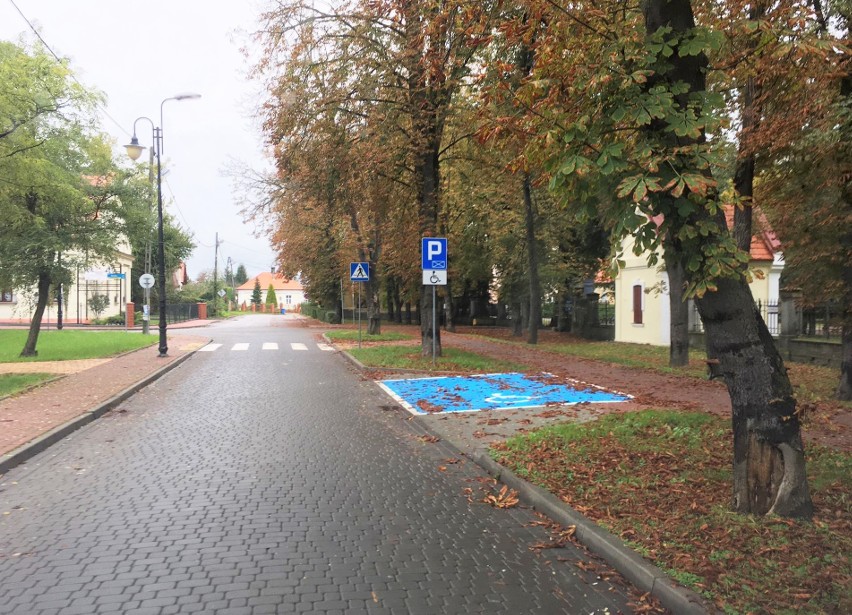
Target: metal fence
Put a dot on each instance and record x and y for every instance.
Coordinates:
(178, 312)
(769, 311)
(824, 321)
(606, 313)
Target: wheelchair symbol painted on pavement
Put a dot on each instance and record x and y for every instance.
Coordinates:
(503, 398)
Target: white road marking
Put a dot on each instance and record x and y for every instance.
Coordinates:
(210, 348)
(240, 347)
(270, 346)
(297, 346)
(325, 347)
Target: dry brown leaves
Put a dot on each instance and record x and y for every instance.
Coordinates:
(505, 498)
(429, 407)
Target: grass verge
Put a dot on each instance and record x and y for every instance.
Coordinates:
(812, 383)
(15, 383)
(67, 345)
(408, 357)
(349, 336)
(661, 480)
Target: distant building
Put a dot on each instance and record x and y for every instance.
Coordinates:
(288, 293)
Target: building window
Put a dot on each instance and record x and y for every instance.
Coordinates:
(288, 299)
(5, 296)
(637, 304)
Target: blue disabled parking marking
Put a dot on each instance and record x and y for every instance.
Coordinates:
(493, 392)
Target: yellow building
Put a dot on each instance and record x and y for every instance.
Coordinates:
(642, 314)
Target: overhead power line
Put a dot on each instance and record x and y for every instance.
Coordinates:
(58, 59)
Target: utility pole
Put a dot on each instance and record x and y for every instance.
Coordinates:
(215, 275)
(229, 280)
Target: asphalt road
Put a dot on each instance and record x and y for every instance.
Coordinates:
(270, 479)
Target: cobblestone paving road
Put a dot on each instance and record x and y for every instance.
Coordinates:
(269, 482)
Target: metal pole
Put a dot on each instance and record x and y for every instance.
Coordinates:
(433, 326)
(161, 245)
(215, 273)
(342, 305)
(359, 315)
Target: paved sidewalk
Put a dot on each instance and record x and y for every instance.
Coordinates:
(87, 386)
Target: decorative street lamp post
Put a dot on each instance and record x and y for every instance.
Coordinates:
(134, 150)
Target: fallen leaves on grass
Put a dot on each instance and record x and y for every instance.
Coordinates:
(664, 486)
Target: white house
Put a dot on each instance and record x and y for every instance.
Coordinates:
(97, 284)
(642, 313)
(289, 294)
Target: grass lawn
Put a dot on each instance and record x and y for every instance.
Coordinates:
(350, 335)
(408, 357)
(633, 355)
(14, 383)
(812, 383)
(71, 344)
(661, 480)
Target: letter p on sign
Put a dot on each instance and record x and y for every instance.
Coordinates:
(434, 253)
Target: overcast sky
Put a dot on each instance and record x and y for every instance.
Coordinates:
(139, 53)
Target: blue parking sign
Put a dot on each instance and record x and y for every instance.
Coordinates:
(434, 253)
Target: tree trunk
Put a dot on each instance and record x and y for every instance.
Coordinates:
(769, 462)
(679, 313)
(408, 312)
(517, 319)
(389, 286)
(449, 309)
(844, 387)
(35, 324)
(397, 301)
(374, 306)
(532, 265)
(427, 174)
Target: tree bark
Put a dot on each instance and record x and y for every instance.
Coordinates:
(844, 387)
(397, 301)
(428, 177)
(769, 462)
(389, 284)
(43, 287)
(532, 264)
(678, 311)
(517, 319)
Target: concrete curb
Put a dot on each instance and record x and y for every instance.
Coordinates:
(42, 442)
(640, 572)
(636, 569)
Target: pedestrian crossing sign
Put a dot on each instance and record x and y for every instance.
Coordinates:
(359, 272)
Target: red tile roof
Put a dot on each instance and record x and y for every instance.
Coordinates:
(278, 281)
(764, 243)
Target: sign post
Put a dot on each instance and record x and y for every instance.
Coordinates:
(433, 251)
(146, 281)
(359, 272)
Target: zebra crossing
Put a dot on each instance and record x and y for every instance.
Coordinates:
(245, 346)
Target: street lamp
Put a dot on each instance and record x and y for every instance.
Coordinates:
(134, 150)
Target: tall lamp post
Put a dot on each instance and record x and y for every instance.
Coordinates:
(134, 150)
